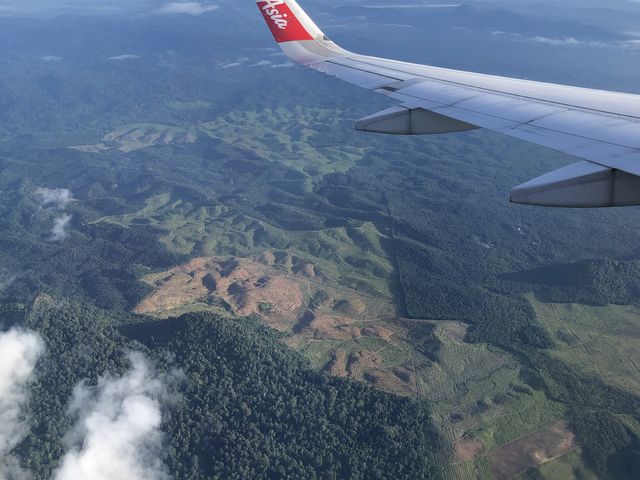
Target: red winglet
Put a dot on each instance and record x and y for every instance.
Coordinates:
(284, 25)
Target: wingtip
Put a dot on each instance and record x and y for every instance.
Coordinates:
(287, 21)
(296, 34)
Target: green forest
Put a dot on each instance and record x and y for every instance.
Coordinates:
(247, 407)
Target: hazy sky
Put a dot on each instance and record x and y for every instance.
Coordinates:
(202, 6)
(111, 6)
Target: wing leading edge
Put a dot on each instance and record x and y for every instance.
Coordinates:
(602, 128)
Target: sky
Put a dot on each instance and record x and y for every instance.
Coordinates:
(110, 7)
(197, 7)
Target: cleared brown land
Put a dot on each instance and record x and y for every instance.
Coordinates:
(337, 367)
(244, 284)
(292, 296)
(531, 451)
(467, 449)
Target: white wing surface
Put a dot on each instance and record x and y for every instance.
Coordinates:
(601, 128)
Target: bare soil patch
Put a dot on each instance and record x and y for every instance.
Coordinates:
(291, 295)
(467, 449)
(350, 306)
(244, 284)
(337, 367)
(396, 380)
(533, 450)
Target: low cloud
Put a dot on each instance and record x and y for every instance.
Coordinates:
(59, 230)
(632, 44)
(19, 352)
(190, 8)
(236, 63)
(563, 41)
(119, 58)
(282, 65)
(117, 435)
(55, 197)
(262, 63)
(416, 6)
(567, 41)
(50, 58)
(270, 64)
(260, 49)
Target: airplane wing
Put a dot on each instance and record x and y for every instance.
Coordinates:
(601, 128)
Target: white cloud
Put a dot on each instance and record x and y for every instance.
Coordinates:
(236, 63)
(19, 352)
(118, 58)
(59, 230)
(262, 63)
(565, 41)
(56, 197)
(632, 44)
(428, 5)
(283, 65)
(118, 431)
(50, 58)
(260, 49)
(190, 8)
